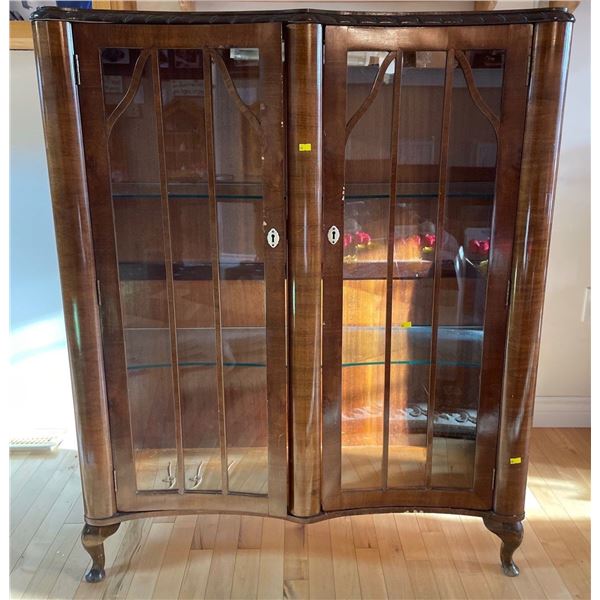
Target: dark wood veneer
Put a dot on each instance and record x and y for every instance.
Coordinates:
(228, 319)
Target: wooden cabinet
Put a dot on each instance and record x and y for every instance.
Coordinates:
(303, 257)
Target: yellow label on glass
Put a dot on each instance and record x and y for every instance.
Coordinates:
(407, 324)
(305, 147)
(515, 460)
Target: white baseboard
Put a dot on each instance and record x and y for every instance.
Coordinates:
(562, 411)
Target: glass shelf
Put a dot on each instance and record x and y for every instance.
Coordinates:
(432, 196)
(254, 271)
(444, 363)
(184, 364)
(458, 346)
(185, 197)
(225, 190)
(196, 271)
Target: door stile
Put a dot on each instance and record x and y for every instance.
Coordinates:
(214, 249)
(511, 134)
(394, 140)
(272, 128)
(437, 266)
(166, 229)
(334, 134)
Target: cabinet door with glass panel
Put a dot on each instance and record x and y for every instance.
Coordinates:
(184, 157)
(422, 143)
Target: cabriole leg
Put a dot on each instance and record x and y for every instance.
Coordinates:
(92, 538)
(511, 534)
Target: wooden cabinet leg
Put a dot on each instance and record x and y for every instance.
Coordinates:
(511, 535)
(92, 538)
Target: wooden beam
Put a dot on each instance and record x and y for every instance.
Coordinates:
(570, 6)
(115, 4)
(21, 35)
(479, 5)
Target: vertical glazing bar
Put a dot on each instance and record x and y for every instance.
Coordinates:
(305, 64)
(437, 273)
(214, 251)
(334, 141)
(166, 227)
(390, 264)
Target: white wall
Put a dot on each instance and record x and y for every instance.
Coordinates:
(564, 370)
(39, 360)
(39, 381)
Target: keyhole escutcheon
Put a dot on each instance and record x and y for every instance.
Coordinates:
(333, 235)
(273, 237)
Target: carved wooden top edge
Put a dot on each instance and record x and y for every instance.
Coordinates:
(307, 15)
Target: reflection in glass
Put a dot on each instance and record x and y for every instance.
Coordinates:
(465, 252)
(421, 108)
(135, 185)
(366, 222)
(238, 162)
(457, 234)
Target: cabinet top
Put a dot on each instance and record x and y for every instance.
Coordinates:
(306, 15)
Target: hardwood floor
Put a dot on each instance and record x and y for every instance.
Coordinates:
(370, 556)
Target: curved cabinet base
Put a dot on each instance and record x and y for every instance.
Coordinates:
(92, 538)
(511, 534)
(508, 529)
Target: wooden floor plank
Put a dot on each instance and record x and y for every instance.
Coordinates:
(222, 565)
(440, 555)
(251, 529)
(320, 561)
(295, 561)
(345, 568)
(363, 531)
(464, 558)
(173, 565)
(393, 561)
(153, 552)
(370, 571)
(410, 536)
(30, 544)
(44, 502)
(196, 575)
(245, 574)
(49, 478)
(270, 577)
(420, 573)
(49, 569)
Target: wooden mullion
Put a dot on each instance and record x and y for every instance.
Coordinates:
(214, 249)
(390, 265)
(437, 261)
(166, 227)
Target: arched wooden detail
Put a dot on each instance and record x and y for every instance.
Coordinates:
(357, 116)
(134, 84)
(481, 104)
(232, 90)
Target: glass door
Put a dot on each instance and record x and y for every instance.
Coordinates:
(422, 131)
(187, 200)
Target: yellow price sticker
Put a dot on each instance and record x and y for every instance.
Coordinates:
(304, 147)
(515, 460)
(407, 324)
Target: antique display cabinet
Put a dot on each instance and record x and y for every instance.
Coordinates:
(303, 257)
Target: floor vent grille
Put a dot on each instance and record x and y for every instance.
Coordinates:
(38, 442)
